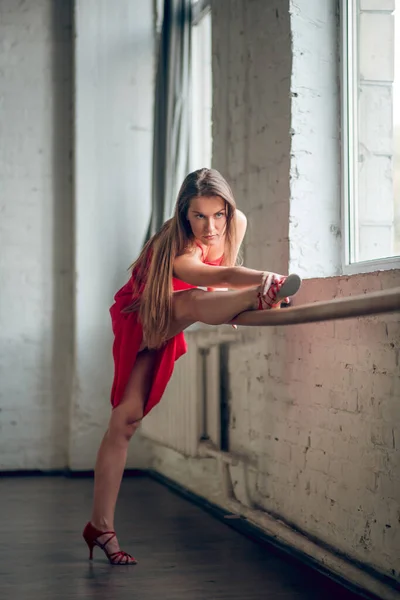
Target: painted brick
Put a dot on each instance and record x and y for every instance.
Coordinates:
(36, 202)
(383, 435)
(375, 118)
(337, 418)
(318, 460)
(308, 388)
(377, 47)
(344, 401)
(375, 189)
(389, 486)
(377, 5)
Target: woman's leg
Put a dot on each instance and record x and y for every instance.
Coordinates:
(189, 306)
(111, 457)
(217, 308)
(213, 308)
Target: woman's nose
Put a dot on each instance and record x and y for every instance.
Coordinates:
(210, 225)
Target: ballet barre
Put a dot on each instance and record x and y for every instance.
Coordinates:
(373, 303)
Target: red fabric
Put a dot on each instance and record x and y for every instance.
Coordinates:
(128, 335)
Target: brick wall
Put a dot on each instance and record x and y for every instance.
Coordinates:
(36, 211)
(55, 330)
(314, 409)
(315, 228)
(251, 111)
(317, 407)
(114, 73)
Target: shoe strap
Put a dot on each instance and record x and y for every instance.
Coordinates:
(121, 554)
(104, 544)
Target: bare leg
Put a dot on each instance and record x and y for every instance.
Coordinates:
(111, 458)
(212, 308)
(190, 306)
(217, 308)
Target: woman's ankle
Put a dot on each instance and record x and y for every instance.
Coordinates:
(254, 298)
(102, 524)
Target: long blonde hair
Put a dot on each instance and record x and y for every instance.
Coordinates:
(153, 270)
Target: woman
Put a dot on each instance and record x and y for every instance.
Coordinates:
(198, 247)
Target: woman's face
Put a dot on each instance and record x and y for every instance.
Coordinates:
(207, 218)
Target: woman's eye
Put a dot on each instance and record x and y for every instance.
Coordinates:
(199, 216)
(219, 215)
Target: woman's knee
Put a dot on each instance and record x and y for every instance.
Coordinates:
(124, 423)
(186, 306)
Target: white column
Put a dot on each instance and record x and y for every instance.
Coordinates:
(113, 136)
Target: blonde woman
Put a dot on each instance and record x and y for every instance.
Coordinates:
(197, 248)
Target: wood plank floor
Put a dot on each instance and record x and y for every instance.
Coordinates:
(184, 553)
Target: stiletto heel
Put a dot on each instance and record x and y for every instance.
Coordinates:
(90, 550)
(91, 535)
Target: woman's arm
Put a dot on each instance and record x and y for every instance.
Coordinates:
(241, 226)
(190, 268)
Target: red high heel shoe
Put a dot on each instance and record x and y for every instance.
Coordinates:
(276, 289)
(90, 535)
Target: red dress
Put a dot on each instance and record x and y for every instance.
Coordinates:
(128, 334)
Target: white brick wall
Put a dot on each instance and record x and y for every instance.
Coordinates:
(251, 141)
(315, 407)
(318, 406)
(377, 46)
(36, 210)
(315, 222)
(54, 406)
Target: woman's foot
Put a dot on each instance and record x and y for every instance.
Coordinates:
(276, 289)
(107, 541)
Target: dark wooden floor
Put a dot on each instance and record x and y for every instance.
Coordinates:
(184, 553)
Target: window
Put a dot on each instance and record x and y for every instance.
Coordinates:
(371, 133)
(201, 130)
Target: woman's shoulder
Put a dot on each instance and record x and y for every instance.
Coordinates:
(240, 218)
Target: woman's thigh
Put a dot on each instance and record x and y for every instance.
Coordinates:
(182, 313)
(132, 404)
(131, 407)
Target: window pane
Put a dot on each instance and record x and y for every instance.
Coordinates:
(396, 123)
(375, 121)
(201, 136)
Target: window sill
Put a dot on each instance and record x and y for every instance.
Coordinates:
(370, 266)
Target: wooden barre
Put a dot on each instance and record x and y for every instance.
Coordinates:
(373, 303)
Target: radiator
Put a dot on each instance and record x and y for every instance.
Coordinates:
(190, 408)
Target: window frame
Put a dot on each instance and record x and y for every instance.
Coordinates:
(349, 140)
(200, 10)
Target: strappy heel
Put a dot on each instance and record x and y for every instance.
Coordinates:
(91, 535)
(276, 289)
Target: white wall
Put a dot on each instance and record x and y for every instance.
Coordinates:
(315, 229)
(113, 136)
(251, 111)
(35, 233)
(64, 252)
(315, 407)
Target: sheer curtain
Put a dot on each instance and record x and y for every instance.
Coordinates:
(171, 110)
